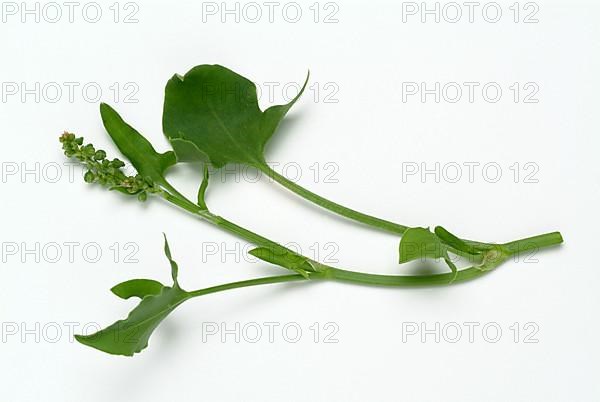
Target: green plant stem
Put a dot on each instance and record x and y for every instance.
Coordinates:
(403, 280)
(328, 272)
(530, 243)
(534, 242)
(348, 276)
(205, 214)
(330, 205)
(246, 283)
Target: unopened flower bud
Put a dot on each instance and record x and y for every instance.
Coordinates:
(89, 177)
(99, 155)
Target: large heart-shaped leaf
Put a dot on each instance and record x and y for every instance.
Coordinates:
(212, 114)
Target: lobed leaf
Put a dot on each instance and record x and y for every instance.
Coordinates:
(211, 114)
(130, 335)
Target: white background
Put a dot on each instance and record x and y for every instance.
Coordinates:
(369, 134)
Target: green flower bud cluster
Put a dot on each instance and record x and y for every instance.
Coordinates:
(104, 171)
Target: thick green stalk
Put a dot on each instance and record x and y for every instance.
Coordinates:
(404, 280)
(330, 205)
(328, 272)
(229, 226)
(351, 277)
(534, 243)
(530, 243)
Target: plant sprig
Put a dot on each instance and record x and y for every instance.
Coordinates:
(211, 115)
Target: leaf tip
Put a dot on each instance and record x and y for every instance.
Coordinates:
(92, 342)
(304, 86)
(105, 107)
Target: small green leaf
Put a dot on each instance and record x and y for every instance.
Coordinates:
(212, 114)
(135, 147)
(454, 242)
(284, 258)
(174, 267)
(129, 336)
(137, 288)
(420, 243)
